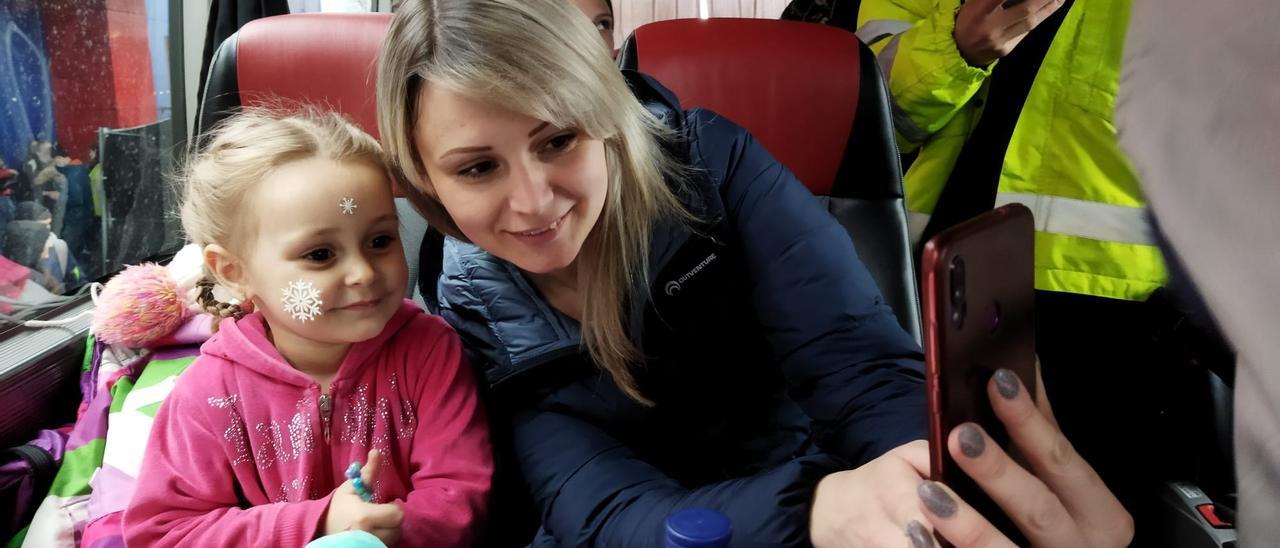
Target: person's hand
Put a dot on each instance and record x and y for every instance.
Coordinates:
(347, 511)
(1061, 501)
(986, 30)
(52, 194)
(874, 504)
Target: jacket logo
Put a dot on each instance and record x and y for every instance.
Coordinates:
(672, 288)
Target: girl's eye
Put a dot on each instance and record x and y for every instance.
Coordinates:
(382, 242)
(605, 25)
(478, 169)
(319, 255)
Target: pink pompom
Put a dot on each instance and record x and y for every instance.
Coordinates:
(138, 306)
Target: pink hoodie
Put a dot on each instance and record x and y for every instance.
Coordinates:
(242, 454)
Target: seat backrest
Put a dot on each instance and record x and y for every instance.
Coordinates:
(813, 95)
(322, 59)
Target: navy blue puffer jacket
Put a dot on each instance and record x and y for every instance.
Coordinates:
(772, 360)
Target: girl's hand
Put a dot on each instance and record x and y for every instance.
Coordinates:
(347, 511)
(1061, 501)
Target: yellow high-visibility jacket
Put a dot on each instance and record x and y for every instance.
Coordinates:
(1063, 162)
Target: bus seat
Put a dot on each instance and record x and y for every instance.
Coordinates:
(322, 59)
(814, 96)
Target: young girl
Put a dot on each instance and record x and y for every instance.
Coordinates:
(318, 361)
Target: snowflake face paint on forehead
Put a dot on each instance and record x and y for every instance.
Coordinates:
(348, 206)
(301, 300)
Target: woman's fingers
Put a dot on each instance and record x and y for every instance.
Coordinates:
(903, 510)
(955, 520)
(919, 535)
(1042, 398)
(874, 504)
(916, 454)
(1033, 507)
(1055, 462)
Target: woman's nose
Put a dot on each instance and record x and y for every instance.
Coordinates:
(531, 192)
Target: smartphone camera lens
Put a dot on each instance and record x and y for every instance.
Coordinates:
(957, 281)
(957, 314)
(959, 304)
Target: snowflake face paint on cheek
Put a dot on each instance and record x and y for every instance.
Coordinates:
(301, 300)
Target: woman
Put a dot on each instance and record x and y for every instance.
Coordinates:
(666, 317)
(600, 12)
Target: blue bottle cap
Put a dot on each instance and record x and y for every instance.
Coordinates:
(698, 528)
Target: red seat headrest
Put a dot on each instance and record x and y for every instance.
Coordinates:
(325, 59)
(793, 85)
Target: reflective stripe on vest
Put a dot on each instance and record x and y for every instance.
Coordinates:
(871, 33)
(1085, 219)
(879, 29)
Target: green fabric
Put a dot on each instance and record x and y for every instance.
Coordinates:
(1064, 143)
(119, 391)
(88, 354)
(78, 466)
(150, 410)
(16, 541)
(160, 370)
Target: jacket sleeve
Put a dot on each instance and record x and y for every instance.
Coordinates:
(451, 463)
(187, 495)
(929, 81)
(592, 490)
(849, 364)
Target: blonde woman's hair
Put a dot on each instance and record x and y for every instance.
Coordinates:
(243, 151)
(541, 58)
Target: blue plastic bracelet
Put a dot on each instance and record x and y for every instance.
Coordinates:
(353, 474)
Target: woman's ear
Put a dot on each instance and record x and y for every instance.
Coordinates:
(228, 270)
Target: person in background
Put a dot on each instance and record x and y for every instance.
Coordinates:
(837, 13)
(39, 156)
(1211, 175)
(1012, 101)
(9, 180)
(51, 186)
(58, 269)
(666, 317)
(78, 226)
(600, 12)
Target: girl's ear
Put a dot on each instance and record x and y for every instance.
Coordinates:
(228, 270)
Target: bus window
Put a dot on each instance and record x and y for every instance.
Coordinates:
(86, 140)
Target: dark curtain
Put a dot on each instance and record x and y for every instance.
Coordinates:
(225, 18)
(837, 13)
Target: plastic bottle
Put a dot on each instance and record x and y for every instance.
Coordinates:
(698, 528)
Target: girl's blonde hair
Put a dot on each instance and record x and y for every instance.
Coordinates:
(544, 59)
(242, 152)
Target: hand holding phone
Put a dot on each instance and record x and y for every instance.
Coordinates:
(979, 297)
(985, 397)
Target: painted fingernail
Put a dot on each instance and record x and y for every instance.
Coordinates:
(919, 535)
(1007, 383)
(936, 499)
(972, 442)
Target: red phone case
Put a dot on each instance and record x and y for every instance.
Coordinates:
(978, 299)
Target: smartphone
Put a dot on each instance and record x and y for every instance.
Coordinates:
(978, 297)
